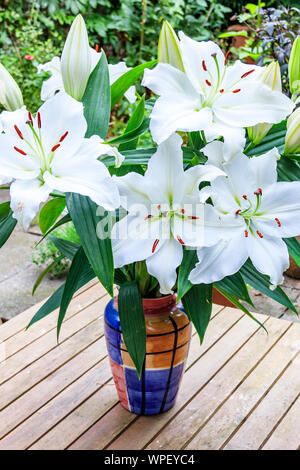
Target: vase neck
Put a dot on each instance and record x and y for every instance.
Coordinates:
(160, 306)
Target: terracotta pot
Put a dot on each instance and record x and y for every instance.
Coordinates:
(294, 270)
(220, 299)
(240, 41)
(168, 336)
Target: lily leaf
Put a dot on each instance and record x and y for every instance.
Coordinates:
(197, 303)
(50, 213)
(7, 226)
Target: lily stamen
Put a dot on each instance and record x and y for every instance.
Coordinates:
(238, 211)
(180, 240)
(39, 120)
(204, 66)
(155, 245)
(247, 73)
(246, 233)
(278, 221)
(237, 90)
(55, 147)
(20, 151)
(226, 57)
(18, 132)
(63, 136)
(30, 118)
(208, 82)
(259, 234)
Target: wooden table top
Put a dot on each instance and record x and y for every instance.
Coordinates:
(241, 389)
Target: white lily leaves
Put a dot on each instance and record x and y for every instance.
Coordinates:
(164, 213)
(211, 96)
(255, 211)
(49, 152)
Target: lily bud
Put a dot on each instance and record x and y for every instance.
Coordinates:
(76, 59)
(294, 67)
(168, 47)
(271, 77)
(292, 138)
(10, 94)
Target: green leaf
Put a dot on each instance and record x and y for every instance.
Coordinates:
(240, 306)
(131, 135)
(294, 249)
(120, 86)
(4, 210)
(135, 121)
(197, 303)
(96, 100)
(261, 283)
(62, 221)
(7, 226)
(132, 320)
(87, 274)
(79, 263)
(288, 170)
(50, 213)
(235, 285)
(230, 34)
(188, 263)
(44, 272)
(95, 240)
(67, 248)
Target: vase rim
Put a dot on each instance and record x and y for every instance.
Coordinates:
(157, 306)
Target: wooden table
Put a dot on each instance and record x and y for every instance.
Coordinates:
(240, 390)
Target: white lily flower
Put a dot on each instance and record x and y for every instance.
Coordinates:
(255, 213)
(168, 50)
(164, 214)
(211, 96)
(10, 94)
(55, 82)
(271, 77)
(49, 152)
(292, 138)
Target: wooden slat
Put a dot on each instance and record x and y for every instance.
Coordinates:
(19, 322)
(181, 429)
(42, 345)
(234, 411)
(57, 409)
(268, 413)
(50, 387)
(286, 436)
(23, 338)
(196, 377)
(61, 354)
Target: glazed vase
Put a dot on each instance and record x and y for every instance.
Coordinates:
(168, 332)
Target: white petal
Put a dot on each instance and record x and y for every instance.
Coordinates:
(55, 82)
(282, 201)
(177, 113)
(95, 57)
(133, 191)
(133, 238)
(269, 256)
(193, 55)
(12, 163)
(87, 177)
(214, 151)
(219, 261)
(166, 80)
(26, 197)
(165, 173)
(254, 103)
(163, 264)
(264, 169)
(130, 94)
(234, 139)
(233, 76)
(59, 115)
(195, 175)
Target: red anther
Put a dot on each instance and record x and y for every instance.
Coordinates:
(158, 206)
(55, 147)
(204, 66)
(237, 90)
(247, 73)
(258, 192)
(238, 211)
(278, 222)
(226, 57)
(97, 47)
(246, 233)
(39, 120)
(244, 196)
(180, 240)
(18, 132)
(207, 82)
(63, 136)
(182, 211)
(222, 90)
(259, 234)
(30, 117)
(155, 245)
(20, 151)
(193, 217)
(148, 216)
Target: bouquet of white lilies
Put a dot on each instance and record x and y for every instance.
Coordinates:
(213, 205)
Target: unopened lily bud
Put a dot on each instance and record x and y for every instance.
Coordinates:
(271, 77)
(76, 59)
(10, 94)
(168, 47)
(292, 138)
(294, 67)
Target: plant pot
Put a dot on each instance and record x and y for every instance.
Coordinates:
(294, 270)
(168, 332)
